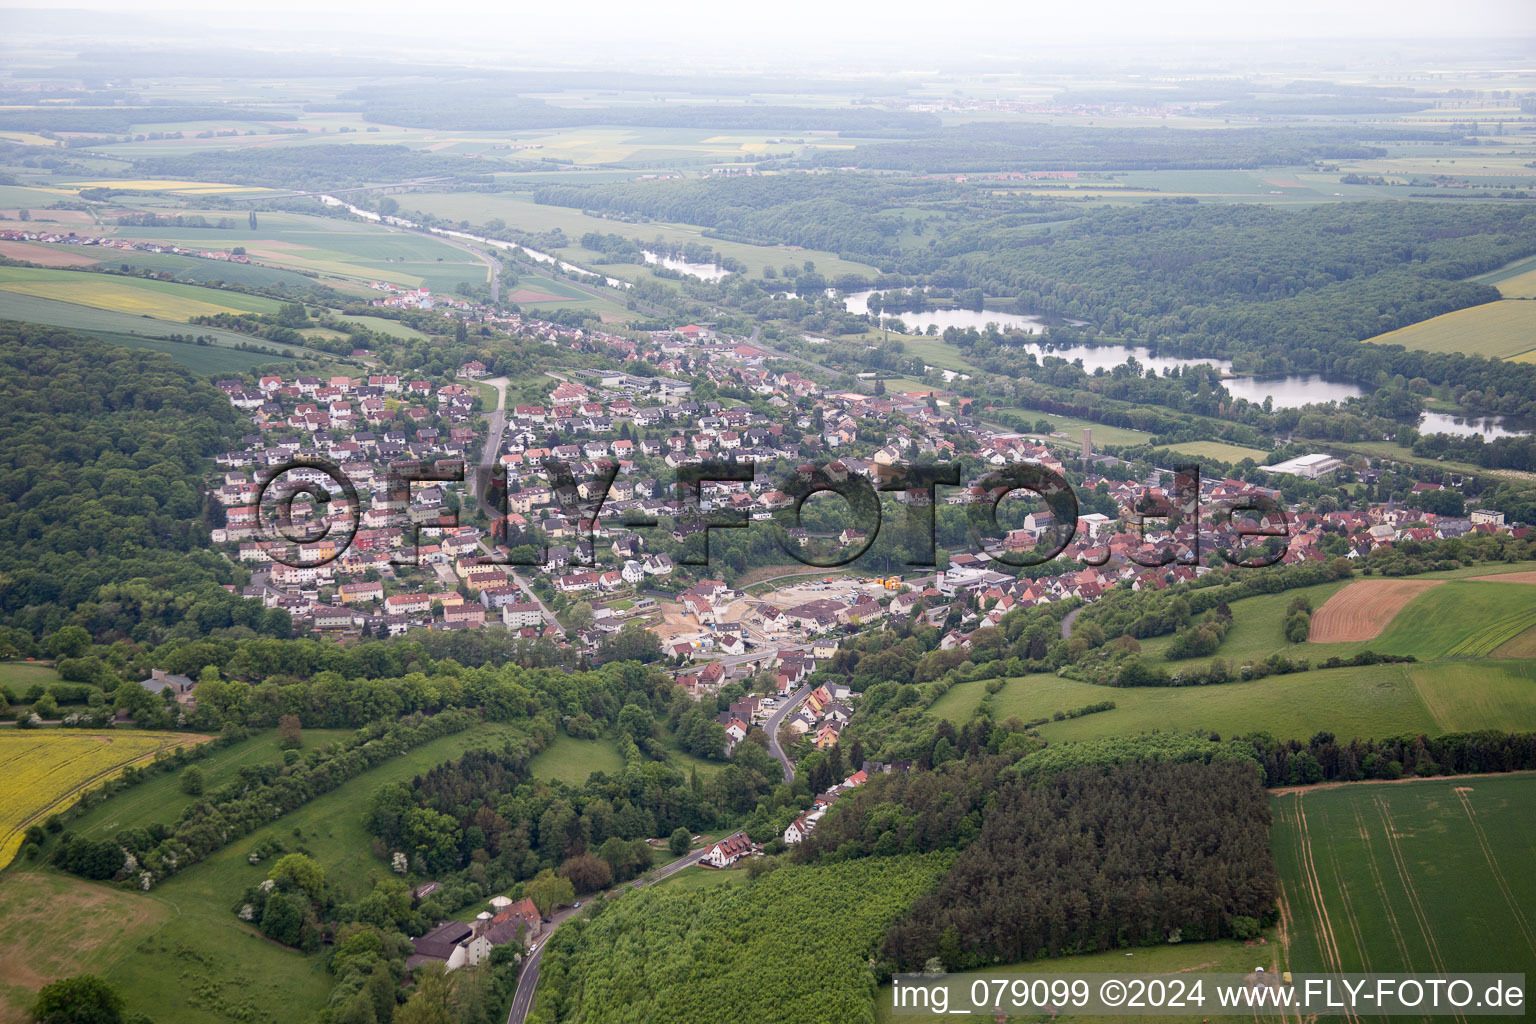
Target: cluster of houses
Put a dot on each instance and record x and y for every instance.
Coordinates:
(122, 244)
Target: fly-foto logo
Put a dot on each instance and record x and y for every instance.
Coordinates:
(1253, 516)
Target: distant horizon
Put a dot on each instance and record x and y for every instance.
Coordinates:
(796, 33)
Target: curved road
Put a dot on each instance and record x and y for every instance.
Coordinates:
(528, 973)
(772, 729)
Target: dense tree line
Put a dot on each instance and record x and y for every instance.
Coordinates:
(330, 165)
(1093, 860)
(465, 106)
(991, 146)
(119, 120)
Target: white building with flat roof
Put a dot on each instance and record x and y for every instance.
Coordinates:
(1309, 466)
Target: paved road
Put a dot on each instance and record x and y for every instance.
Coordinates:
(496, 426)
(528, 974)
(1066, 623)
(772, 729)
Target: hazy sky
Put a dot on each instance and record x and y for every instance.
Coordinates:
(694, 31)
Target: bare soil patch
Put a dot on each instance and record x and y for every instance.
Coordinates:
(1362, 610)
(1509, 577)
(44, 256)
(530, 295)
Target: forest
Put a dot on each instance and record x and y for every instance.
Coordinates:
(992, 146)
(332, 165)
(1093, 860)
(102, 454)
(789, 947)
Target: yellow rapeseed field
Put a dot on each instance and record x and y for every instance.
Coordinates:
(43, 771)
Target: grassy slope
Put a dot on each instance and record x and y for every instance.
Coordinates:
(161, 799)
(193, 960)
(1434, 696)
(19, 675)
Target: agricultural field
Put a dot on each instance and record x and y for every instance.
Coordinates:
(43, 770)
(1219, 451)
(33, 903)
(1516, 281)
(1411, 876)
(1462, 619)
(571, 760)
(1378, 700)
(137, 296)
(393, 328)
(1500, 330)
(148, 332)
(1362, 610)
(1450, 622)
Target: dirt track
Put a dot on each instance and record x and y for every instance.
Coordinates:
(1362, 610)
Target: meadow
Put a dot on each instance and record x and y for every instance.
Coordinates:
(1374, 701)
(1499, 330)
(42, 771)
(18, 675)
(1416, 876)
(571, 760)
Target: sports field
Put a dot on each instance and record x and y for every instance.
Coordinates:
(1219, 451)
(1499, 330)
(1427, 876)
(44, 770)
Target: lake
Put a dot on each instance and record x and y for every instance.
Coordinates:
(943, 319)
(704, 271)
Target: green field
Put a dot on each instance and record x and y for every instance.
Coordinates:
(1421, 876)
(393, 328)
(1496, 329)
(138, 296)
(1515, 281)
(160, 799)
(1219, 451)
(570, 760)
(1459, 619)
(18, 675)
(1449, 629)
(1379, 700)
